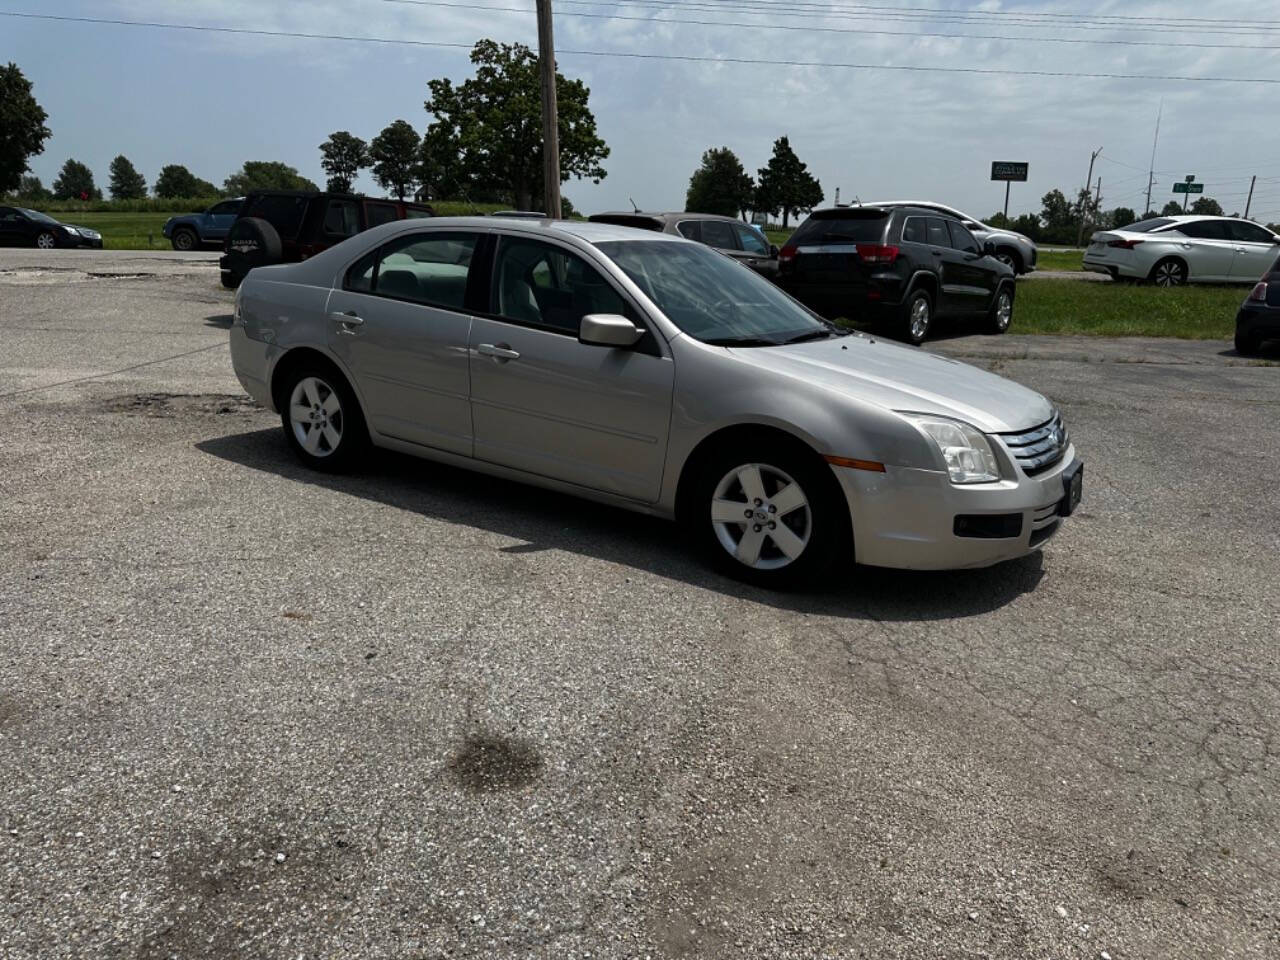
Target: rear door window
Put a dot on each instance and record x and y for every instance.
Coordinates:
(717, 233)
(1204, 230)
(380, 213)
(690, 229)
(426, 268)
(936, 232)
(342, 218)
(914, 231)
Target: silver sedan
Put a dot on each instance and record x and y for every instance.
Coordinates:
(650, 372)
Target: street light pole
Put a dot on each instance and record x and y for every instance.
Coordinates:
(550, 115)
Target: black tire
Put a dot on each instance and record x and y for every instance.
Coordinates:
(184, 239)
(310, 438)
(998, 319)
(252, 242)
(1011, 258)
(45, 240)
(915, 328)
(1247, 344)
(1169, 272)
(821, 526)
(231, 281)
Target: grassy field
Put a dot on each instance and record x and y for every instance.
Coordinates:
(123, 231)
(1122, 310)
(1053, 260)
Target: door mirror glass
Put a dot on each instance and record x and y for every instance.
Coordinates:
(608, 330)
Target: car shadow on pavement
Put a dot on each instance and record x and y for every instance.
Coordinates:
(543, 520)
(220, 320)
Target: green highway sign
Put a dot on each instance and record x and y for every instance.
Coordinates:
(1188, 188)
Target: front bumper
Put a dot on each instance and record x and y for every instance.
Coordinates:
(906, 517)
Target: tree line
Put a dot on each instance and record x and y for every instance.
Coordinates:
(483, 143)
(783, 186)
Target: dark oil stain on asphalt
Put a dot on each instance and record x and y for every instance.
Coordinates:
(487, 763)
(179, 404)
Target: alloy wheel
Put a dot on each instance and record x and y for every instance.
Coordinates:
(919, 319)
(315, 414)
(1004, 310)
(1169, 274)
(1007, 260)
(761, 516)
(46, 241)
(183, 240)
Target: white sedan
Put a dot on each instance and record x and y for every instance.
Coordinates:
(1171, 251)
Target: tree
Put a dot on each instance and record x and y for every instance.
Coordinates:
(720, 185)
(395, 153)
(786, 184)
(22, 129)
(342, 157)
(1121, 217)
(32, 191)
(1027, 224)
(126, 182)
(1171, 209)
(75, 182)
(492, 124)
(176, 180)
(1207, 206)
(265, 175)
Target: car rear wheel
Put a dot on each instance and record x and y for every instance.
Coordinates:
(769, 516)
(1169, 272)
(1247, 343)
(184, 240)
(322, 419)
(1001, 314)
(46, 240)
(918, 316)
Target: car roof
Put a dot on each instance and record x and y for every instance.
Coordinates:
(924, 204)
(581, 229)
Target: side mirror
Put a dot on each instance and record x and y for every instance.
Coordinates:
(989, 248)
(773, 250)
(608, 330)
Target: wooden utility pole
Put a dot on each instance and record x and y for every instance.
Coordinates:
(1248, 203)
(550, 115)
(1087, 180)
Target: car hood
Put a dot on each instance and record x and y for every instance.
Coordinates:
(907, 379)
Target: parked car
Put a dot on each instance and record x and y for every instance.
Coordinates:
(194, 230)
(650, 372)
(905, 267)
(1259, 316)
(1015, 249)
(21, 227)
(1171, 251)
(286, 226)
(732, 237)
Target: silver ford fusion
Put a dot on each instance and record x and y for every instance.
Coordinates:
(651, 372)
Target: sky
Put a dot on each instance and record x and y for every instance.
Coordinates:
(211, 101)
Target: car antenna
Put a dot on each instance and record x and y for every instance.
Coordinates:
(634, 208)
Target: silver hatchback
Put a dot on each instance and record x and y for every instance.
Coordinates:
(650, 372)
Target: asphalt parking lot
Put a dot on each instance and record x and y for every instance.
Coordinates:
(249, 711)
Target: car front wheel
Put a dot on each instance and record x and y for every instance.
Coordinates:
(46, 240)
(183, 240)
(770, 518)
(322, 420)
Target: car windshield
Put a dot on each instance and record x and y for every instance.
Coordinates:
(1146, 226)
(712, 298)
(37, 215)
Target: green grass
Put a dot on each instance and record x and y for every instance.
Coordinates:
(1052, 260)
(124, 231)
(1074, 307)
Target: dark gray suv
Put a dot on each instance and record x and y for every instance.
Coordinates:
(730, 236)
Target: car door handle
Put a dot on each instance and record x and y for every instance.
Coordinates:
(347, 321)
(499, 351)
(936, 253)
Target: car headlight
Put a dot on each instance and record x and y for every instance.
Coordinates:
(71, 230)
(965, 449)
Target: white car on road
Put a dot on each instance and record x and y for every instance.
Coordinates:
(1171, 251)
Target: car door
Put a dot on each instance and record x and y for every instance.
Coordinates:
(13, 227)
(720, 234)
(399, 322)
(977, 272)
(1205, 245)
(544, 403)
(1256, 250)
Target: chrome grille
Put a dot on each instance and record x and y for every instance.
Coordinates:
(1039, 448)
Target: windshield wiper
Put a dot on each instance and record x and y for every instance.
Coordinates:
(812, 335)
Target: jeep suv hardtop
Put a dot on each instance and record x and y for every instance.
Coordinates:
(287, 226)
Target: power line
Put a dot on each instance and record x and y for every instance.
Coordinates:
(841, 30)
(631, 55)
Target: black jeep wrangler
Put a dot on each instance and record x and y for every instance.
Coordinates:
(287, 226)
